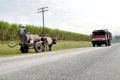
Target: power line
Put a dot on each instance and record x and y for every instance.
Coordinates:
(42, 10)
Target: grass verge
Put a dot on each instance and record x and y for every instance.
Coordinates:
(61, 45)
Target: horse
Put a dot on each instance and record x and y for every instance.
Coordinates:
(47, 43)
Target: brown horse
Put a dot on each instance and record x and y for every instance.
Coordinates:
(47, 43)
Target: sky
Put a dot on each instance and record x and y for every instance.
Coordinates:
(80, 16)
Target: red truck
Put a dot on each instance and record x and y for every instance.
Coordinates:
(100, 37)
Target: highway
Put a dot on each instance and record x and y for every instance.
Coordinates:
(90, 63)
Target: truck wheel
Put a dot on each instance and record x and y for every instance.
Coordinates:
(38, 47)
(24, 49)
(106, 44)
(109, 43)
(98, 44)
(93, 45)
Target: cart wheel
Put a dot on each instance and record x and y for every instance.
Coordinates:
(38, 47)
(24, 49)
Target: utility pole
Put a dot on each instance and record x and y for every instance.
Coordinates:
(42, 10)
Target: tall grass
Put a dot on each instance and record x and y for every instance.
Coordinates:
(61, 45)
(8, 30)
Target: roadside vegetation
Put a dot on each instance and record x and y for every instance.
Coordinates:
(116, 39)
(61, 45)
(10, 30)
(65, 40)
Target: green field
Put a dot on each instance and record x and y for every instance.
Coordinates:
(66, 40)
(8, 31)
(61, 45)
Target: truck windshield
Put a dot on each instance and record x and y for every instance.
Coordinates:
(99, 33)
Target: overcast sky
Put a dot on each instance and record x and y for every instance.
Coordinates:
(81, 16)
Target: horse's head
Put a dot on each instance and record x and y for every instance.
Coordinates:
(54, 41)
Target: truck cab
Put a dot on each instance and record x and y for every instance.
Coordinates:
(100, 37)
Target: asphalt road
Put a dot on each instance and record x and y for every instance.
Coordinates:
(98, 63)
